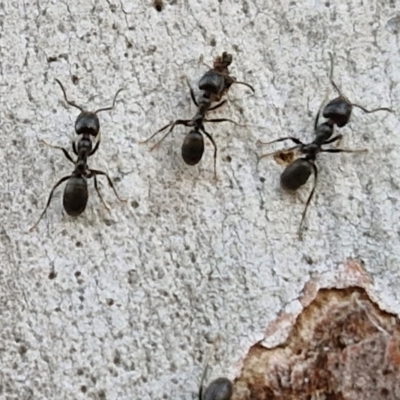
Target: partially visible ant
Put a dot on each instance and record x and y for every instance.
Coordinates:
(215, 83)
(297, 173)
(76, 192)
(218, 389)
(158, 5)
(87, 124)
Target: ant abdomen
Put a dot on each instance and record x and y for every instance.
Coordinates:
(218, 389)
(296, 174)
(87, 122)
(193, 148)
(212, 82)
(75, 196)
(338, 111)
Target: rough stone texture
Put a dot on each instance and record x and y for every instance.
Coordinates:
(124, 305)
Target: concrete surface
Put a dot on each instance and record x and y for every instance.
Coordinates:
(138, 295)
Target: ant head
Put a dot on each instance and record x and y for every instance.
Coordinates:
(193, 147)
(87, 122)
(338, 111)
(212, 83)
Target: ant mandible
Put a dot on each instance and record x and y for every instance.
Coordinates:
(87, 124)
(215, 83)
(76, 192)
(297, 173)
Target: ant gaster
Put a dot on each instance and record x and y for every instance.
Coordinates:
(215, 83)
(297, 173)
(218, 389)
(76, 192)
(87, 124)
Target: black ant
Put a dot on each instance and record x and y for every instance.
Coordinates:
(215, 83)
(87, 124)
(218, 389)
(297, 173)
(76, 192)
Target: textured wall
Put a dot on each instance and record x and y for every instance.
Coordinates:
(137, 295)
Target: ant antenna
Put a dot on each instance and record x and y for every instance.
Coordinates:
(71, 103)
(113, 105)
(308, 200)
(341, 95)
(203, 376)
(331, 76)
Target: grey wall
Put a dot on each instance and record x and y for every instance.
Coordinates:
(140, 293)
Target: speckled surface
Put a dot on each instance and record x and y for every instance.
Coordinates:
(139, 294)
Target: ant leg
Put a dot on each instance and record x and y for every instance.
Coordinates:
(177, 122)
(215, 151)
(245, 84)
(74, 149)
(113, 105)
(95, 148)
(59, 148)
(201, 61)
(320, 109)
(71, 103)
(293, 139)
(309, 198)
(233, 79)
(225, 120)
(317, 119)
(183, 122)
(49, 200)
(160, 130)
(344, 151)
(217, 106)
(336, 138)
(372, 111)
(94, 172)
(99, 194)
(192, 93)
